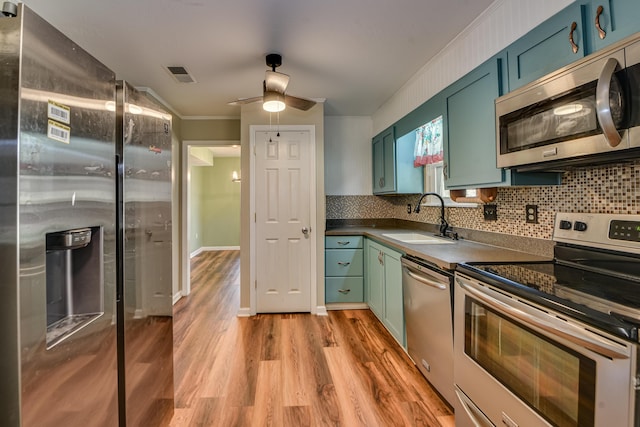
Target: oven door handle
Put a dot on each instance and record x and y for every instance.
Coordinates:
(555, 327)
(476, 415)
(603, 103)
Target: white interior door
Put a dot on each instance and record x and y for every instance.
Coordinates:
(282, 200)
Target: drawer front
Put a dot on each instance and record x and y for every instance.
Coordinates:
(344, 289)
(343, 262)
(343, 242)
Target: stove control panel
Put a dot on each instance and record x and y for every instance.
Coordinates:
(580, 226)
(620, 232)
(624, 230)
(565, 225)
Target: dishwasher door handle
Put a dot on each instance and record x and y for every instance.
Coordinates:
(426, 281)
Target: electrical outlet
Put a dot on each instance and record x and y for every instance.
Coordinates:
(531, 212)
(490, 212)
(409, 208)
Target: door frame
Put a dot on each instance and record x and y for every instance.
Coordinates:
(312, 211)
(185, 228)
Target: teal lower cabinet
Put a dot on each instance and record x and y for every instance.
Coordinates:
(383, 283)
(374, 277)
(344, 289)
(344, 270)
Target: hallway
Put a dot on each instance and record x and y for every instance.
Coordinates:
(344, 369)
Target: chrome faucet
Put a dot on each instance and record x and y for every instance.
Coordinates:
(445, 231)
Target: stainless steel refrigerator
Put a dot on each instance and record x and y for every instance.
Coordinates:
(145, 322)
(84, 225)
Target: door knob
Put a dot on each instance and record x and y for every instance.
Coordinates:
(306, 230)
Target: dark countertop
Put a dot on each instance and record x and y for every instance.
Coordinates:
(445, 256)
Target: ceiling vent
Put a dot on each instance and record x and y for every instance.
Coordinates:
(181, 75)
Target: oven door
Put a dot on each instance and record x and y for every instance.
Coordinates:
(578, 112)
(520, 365)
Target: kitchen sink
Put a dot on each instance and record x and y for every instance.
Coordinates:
(418, 239)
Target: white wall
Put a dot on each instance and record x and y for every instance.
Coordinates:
(347, 162)
(501, 24)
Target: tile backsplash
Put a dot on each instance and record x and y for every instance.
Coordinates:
(596, 189)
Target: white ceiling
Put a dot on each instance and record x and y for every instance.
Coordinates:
(354, 53)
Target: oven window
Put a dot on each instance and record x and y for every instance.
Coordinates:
(555, 381)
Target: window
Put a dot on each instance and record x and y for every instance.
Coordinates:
(429, 152)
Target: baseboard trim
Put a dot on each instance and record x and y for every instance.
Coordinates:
(213, 248)
(348, 306)
(321, 310)
(176, 297)
(244, 312)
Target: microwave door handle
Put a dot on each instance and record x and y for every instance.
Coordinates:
(603, 107)
(555, 327)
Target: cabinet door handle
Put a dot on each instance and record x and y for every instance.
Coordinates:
(601, 33)
(574, 46)
(344, 291)
(344, 264)
(380, 258)
(381, 182)
(342, 243)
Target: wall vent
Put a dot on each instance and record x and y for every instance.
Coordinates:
(181, 74)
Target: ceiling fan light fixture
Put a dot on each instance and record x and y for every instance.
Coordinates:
(273, 102)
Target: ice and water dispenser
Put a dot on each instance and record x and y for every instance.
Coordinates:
(74, 281)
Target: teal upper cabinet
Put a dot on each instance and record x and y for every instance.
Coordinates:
(470, 133)
(612, 20)
(558, 41)
(393, 171)
(470, 136)
(384, 162)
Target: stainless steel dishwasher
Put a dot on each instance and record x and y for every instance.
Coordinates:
(429, 324)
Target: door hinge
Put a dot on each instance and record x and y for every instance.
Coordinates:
(255, 217)
(255, 284)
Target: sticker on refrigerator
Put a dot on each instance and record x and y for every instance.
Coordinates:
(58, 112)
(59, 132)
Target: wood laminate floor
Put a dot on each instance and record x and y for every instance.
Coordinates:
(344, 369)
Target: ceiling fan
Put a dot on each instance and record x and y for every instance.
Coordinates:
(273, 87)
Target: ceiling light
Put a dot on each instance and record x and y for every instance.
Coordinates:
(273, 102)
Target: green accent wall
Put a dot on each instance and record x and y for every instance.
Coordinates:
(195, 202)
(215, 204)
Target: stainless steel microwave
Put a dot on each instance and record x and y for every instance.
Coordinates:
(585, 113)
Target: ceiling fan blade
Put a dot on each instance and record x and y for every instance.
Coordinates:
(275, 81)
(242, 101)
(298, 103)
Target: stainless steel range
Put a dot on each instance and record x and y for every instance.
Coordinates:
(553, 343)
